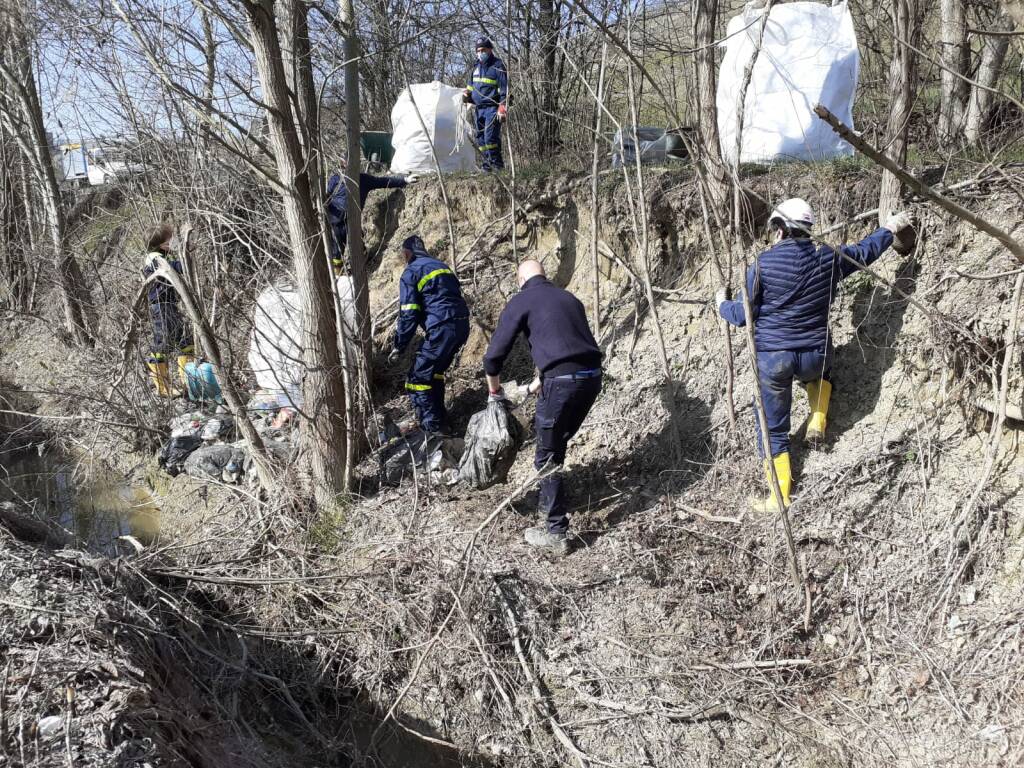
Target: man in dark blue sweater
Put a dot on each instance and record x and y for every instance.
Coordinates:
(791, 288)
(564, 350)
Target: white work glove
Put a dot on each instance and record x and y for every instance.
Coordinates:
(533, 388)
(393, 356)
(897, 222)
(412, 178)
(721, 296)
(497, 397)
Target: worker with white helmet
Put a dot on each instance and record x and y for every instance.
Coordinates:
(791, 288)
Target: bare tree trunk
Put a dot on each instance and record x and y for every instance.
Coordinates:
(956, 58)
(356, 254)
(595, 203)
(21, 109)
(323, 427)
(993, 54)
(903, 87)
(548, 30)
(705, 91)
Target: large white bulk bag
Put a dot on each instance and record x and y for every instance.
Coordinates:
(448, 128)
(275, 354)
(808, 56)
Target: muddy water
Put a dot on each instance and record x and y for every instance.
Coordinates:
(94, 506)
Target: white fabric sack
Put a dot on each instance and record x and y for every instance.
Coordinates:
(809, 56)
(275, 354)
(440, 107)
(347, 302)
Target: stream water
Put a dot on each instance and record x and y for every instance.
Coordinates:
(93, 505)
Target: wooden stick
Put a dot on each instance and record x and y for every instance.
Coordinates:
(794, 568)
(862, 146)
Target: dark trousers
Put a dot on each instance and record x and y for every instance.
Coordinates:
(171, 333)
(426, 377)
(776, 372)
(561, 408)
(488, 138)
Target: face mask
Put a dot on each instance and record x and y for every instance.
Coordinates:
(481, 56)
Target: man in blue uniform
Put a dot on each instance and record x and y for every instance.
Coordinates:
(337, 206)
(487, 90)
(791, 288)
(429, 298)
(172, 335)
(564, 350)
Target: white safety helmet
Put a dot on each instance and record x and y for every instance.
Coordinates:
(795, 214)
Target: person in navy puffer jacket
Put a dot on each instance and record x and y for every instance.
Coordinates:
(430, 298)
(488, 91)
(791, 288)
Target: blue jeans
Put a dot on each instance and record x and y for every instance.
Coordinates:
(488, 138)
(776, 372)
(425, 381)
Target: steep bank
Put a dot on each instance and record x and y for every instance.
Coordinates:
(667, 638)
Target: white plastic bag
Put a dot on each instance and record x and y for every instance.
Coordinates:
(440, 107)
(809, 56)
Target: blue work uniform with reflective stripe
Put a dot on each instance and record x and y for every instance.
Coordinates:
(337, 206)
(791, 288)
(430, 298)
(488, 85)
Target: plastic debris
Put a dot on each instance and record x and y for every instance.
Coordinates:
(178, 449)
(493, 439)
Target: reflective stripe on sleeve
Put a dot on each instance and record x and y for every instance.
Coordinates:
(430, 276)
(487, 80)
(416, 387)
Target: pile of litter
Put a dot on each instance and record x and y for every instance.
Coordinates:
(205, 445)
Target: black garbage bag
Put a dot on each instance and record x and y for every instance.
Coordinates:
(493, 439)
(173, 454)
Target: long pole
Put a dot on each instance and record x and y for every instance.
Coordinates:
(766, 445)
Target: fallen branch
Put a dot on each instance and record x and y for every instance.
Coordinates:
(542, 700)
(709, 517)
(989, 406)
(672, 714)
(862, 146)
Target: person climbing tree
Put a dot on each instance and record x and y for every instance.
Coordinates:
(172, 336)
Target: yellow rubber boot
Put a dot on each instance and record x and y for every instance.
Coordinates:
(184, 360)
(161, 377)
(770, 505)
(819, 393)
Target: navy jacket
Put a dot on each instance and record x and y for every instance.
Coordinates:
(555, 324)
(792, 286)
(337, 201)
(488, 84)
(429, 294)
(160, 292)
